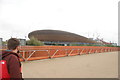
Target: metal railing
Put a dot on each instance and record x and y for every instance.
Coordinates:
(27, 55)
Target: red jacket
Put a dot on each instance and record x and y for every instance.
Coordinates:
(13, 65)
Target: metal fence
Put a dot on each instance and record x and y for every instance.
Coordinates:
(47, 52)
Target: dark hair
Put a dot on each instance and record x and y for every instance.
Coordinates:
(12, 43)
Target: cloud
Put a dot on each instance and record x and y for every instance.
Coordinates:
(19, 17)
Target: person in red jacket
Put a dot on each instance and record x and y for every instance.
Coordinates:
(11, 58)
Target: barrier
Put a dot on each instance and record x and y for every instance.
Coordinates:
(47, 52)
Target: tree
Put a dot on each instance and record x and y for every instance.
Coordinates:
(34, 42)
(4, 43)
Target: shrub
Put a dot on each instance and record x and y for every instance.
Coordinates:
(34, 42)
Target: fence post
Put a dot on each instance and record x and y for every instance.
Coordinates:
(66, 52)
(49, 54)
(78, 51)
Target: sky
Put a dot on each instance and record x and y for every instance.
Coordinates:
(89, 18)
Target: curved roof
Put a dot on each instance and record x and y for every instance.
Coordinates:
(58, 36)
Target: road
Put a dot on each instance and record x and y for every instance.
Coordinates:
(97, 65)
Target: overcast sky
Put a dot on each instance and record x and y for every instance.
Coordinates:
(89, 18)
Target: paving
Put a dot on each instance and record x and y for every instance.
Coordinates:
(97, 65)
